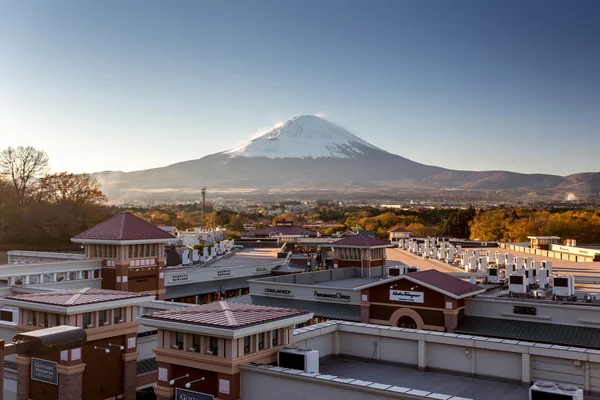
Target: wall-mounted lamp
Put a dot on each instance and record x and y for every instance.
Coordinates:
(116, 345)
(189, 384)
(102, 348)
(172, 381)
(414, 287)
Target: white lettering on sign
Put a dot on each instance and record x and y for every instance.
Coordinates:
(407, 296)
(44, 371)
(183, 394)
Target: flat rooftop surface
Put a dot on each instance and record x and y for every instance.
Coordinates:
(348, 283)
(249, 257)
(240, 258)
(454, 385)
(394, 256)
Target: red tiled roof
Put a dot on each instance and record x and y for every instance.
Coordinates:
(399, 230)
(360, 241)
(75, 297)
(445, 282)
(285, 230)
(225, 315)
(124, 226)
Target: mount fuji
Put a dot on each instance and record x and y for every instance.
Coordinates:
(309, 153)
(305, 136)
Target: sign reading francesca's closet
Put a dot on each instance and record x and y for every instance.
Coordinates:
(44, 371)
(407, 296)
(182, 394)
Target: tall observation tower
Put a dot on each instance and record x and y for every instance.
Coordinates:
(203, 200)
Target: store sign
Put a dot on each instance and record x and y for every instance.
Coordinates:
(183, 394)
(44, 371)
(332, 296)
(261, 270)
(143, 278)
(223, 272)
(282, 292)
(407, 296)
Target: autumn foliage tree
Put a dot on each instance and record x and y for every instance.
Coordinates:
(70, 190)
(37, 209)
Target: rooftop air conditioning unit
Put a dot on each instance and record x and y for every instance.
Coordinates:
(408, 270)
(300, 358)
(591, 297)
(493, 275)
(549, 391)
(543, 277)
(517, 284)
(394, 271)
(563, 286)
(532, 276)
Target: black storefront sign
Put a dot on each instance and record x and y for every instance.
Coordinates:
(183, 394)
(44, 371)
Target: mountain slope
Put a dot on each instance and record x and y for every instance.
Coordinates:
(308, 153)
(304, 136)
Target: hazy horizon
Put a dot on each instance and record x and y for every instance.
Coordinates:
(464, 85)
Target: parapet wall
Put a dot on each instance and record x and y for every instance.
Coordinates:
(475, 356)
(573, 255)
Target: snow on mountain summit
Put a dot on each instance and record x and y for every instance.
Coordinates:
(304, 136)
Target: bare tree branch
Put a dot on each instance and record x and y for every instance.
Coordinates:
(22, 165)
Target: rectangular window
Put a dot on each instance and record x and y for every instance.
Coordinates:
(196, 342)
(274, 336)
(87, 320)
(214, 346)
(246, 344)
(118, 319)
(179, 340)
(57, 320)
(102, 317)
(261, 340)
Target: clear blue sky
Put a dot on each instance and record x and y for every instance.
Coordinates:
(126, 85)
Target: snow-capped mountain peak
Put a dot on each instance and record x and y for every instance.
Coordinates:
(304, 136)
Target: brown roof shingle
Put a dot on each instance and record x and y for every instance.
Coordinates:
(75, 297)
(445, 282)
(225, 315)
(360, 241)
(124, 226)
